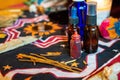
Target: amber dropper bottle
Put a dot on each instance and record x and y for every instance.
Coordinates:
(73, 21)
(91, 35)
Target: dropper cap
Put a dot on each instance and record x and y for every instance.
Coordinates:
(73, 18)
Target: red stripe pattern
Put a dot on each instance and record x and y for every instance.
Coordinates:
(13, 33)
(50, 41)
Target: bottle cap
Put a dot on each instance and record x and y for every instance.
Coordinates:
(73, 18)
(91, 10)
(78, 0)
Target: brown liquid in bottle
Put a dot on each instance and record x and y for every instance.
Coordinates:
(91, 39)
(91, 33)
(70, 31)
(73, 21)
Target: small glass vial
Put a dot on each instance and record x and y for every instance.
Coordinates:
(75, 46)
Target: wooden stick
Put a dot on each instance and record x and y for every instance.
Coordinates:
(42, 59)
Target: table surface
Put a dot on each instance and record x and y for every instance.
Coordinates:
(11, 68)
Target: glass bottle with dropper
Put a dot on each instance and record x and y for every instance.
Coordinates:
(91, 34)
(81, 13)
(73, 21)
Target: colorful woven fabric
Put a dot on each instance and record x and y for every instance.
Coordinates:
(108, 28)
(28, 66)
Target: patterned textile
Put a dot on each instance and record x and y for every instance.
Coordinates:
(11, 68)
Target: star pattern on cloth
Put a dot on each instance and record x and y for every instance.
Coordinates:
(74, 64)
(7, 67)
(29, 78)
(19, 56)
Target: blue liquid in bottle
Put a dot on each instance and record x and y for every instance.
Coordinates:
(81, 6)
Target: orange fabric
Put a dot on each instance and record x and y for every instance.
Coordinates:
(5, 4)
(112, 33)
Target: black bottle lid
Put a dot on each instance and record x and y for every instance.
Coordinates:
(91, 13)
(91, 10)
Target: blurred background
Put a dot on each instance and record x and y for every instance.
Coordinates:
(19, 4)
(53, 7)
(4, 4)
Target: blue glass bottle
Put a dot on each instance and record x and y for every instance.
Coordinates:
(81, 6)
